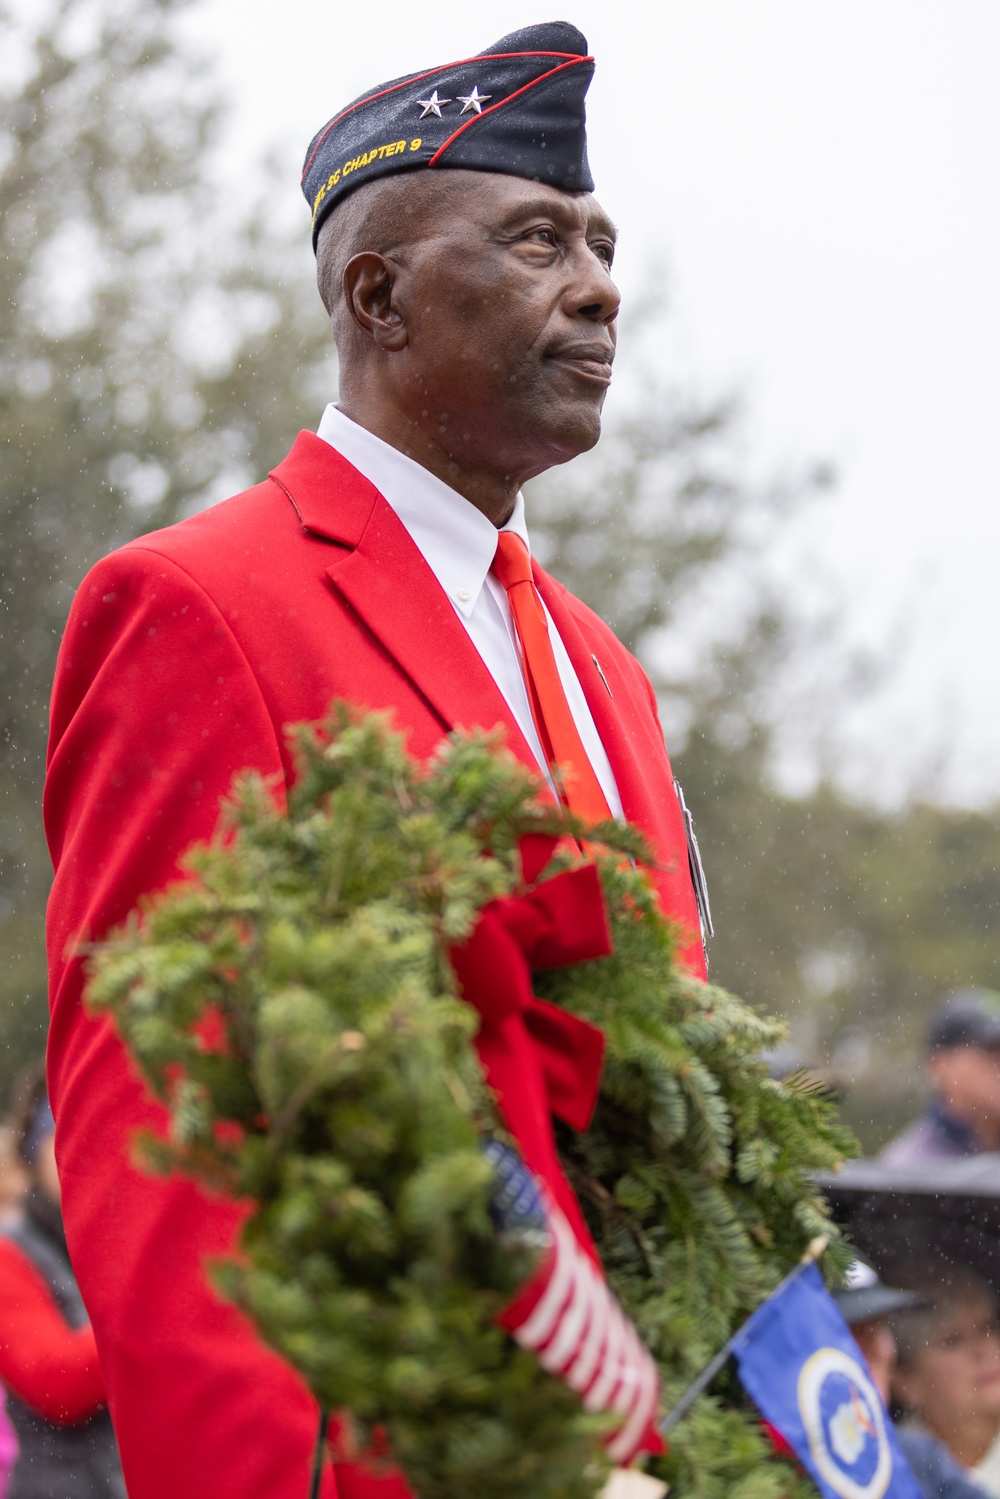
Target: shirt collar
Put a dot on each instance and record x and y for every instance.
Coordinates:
(455, 539)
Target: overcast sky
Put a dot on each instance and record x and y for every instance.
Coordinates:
(816, 185)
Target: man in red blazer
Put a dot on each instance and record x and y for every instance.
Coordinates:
(474, 314)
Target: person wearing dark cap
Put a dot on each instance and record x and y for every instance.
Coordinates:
(866, 1305)
(947, 1378)
(48, 1358)
(963, 1060)
(466, 270)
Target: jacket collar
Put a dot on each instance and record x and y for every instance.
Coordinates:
(381, 575)
(329, 496)
(455, 539)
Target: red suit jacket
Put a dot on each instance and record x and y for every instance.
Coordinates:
(186, 654)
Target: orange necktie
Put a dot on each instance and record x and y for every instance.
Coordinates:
(579, 788)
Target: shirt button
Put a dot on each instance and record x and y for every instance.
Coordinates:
(464, 594)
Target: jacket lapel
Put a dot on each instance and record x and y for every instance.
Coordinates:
(380, 573)
(631, 736)
(619, 720)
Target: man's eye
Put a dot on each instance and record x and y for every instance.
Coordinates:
(545, 236)
(604, 252)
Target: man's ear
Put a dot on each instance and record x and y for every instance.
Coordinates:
(368, 286)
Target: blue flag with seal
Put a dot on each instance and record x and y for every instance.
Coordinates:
(806, 1375)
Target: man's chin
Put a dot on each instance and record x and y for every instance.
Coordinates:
(531, 441)
(576, 433)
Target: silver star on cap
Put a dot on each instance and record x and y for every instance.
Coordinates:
(432, 106)
(475, 100)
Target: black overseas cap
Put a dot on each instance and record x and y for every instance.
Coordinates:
(969, 1017)
(516, 107)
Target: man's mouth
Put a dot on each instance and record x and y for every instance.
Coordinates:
(591, 360)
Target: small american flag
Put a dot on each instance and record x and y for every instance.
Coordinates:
(567, 1315)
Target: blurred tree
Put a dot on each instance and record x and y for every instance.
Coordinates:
(135, 298)
(854, 923)
(663, 532)
(850, 921)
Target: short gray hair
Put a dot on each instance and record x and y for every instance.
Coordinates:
(380, 216)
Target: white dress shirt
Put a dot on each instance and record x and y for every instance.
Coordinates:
(458, 544)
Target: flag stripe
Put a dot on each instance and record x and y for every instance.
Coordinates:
(569, 1318)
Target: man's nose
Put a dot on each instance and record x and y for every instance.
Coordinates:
(593, 294)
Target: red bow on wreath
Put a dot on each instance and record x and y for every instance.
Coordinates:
(540, 1060)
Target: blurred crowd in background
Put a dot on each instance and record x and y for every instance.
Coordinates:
(926, 1212)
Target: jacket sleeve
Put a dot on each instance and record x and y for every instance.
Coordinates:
(49, 1365)
(154, 709)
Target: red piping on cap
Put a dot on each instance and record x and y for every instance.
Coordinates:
(417, 78)
(523, 90)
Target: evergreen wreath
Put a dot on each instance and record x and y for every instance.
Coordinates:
(292, 1003)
